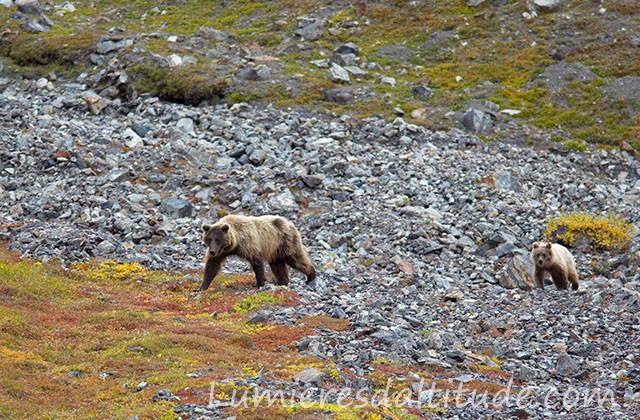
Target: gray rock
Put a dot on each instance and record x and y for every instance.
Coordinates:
(527, 374)
(422, 92)
(348, 48)
(337, 95)
(338, 74)
(506, 182)
(311, 32)
(260, 317)
(29, 7)
(40, 22)
(548, 4)
(477, 121)
(186, 126)
(310, 376)
(557, 76)
(34, 27)
(95, 102)
(313, 181)
(283, 203)
(176, 208)
(117, 175)
(518, 273)
(356, 72)
(105, 249)
(257, 157)
(255, 73)
(141, 128)
(343, 60)
(214, 34)
(566, 366)
(164, 395)
(627, 87)
(106, 46)
(397, 53)
(142, 385)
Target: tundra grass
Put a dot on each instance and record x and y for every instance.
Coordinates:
(75, 343)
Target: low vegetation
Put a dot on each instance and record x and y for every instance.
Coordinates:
(605, 232)
(78, 342)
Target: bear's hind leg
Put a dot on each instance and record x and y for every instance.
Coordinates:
(573, 279)
(280, 271)
(258, 268)
(303, 265)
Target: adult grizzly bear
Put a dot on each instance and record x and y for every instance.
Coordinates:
(256, 239)
(557, 260)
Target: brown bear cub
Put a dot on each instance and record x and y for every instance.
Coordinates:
(256, 239)
(556, 260)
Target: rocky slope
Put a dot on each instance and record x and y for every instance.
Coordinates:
(413, 232)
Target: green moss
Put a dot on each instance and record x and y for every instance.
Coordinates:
(189, 85)
(43, 50)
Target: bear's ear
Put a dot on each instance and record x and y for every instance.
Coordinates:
(536, 245)
(549, 245)
(206, 228)
(225, 228)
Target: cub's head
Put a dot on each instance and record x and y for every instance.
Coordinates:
(217, 238)
(541, 253)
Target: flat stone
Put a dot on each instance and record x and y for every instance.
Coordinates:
(176, 208)
(310, 376)
(337, 73)
(95, 102)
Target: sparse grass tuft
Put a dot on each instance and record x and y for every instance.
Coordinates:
(605, 232)
(256, 300)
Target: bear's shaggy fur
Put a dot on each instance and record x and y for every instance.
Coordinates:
(256, 239)
(556, 260)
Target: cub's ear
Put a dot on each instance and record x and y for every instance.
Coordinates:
(549, 245)
(206, 228)
(536, 245)
(225, 228)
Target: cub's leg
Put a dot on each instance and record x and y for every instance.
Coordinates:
(559, 277)
(281, 271)
(573, 279)
(258, 267)
(211, 269)
(538, 278)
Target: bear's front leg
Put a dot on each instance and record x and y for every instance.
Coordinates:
(538, 277)
(258, 267)
(212, 267)
(560, 279)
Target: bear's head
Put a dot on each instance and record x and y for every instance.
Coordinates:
(217, 238)
(541, 253)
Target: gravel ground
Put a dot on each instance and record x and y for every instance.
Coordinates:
(412, 232)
